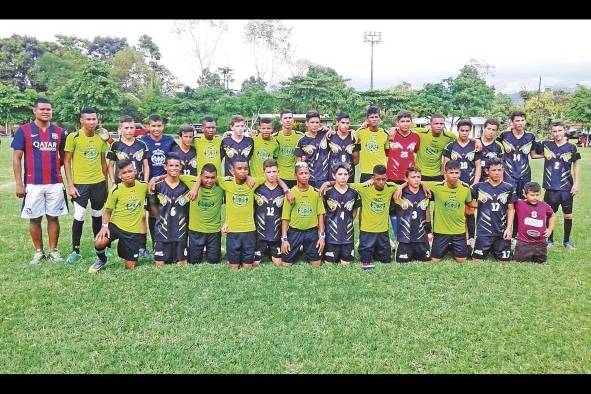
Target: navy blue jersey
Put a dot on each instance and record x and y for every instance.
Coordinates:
(341, 151)
(411, 211)
(173, 211)
(339, 215)
(231, 150)
(488, 152)
(136, 152)
(267, 212)
(314, 151)
(558, 162)
(188, 159)
(157, 151)
(492, 207)
(466, 156)
(516, 156)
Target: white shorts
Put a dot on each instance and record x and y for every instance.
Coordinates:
(44, 200)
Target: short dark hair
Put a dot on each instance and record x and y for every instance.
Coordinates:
(464, 122)
(452, 165)
(235, 119)
(342, 115)
(266, 121)
(285, 111)
(531, 187)
(312, 114)
(515, 114)
(372, 109)
(154, 118)
(344, 166)
(404, 114)
(173, 156)
(126, 119)
(87, 110)
(379, 169)
(494, 161)
(186, 128)
(492, 122)
(436, 116)
(41, 100)
(208, 167)
(239, 159)
(207, 119)
(270, 163)
(121, 164)
(411, 169)
(556, 123)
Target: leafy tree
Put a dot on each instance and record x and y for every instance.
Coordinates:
(73, 43)
(209, 79)
(17, 58)
(149, 48)
(470, 96)
(501, 108)
(433, 98)
(15, 106)
(579, 106)
(253, 83)
(540, 111)
(131, 72)
(105, 48)
(54, 69)
(270, 44)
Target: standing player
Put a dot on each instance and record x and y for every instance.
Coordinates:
(265, 148)
(41, 143)
(124, 218)
(186, 151)
(128, 147)
(561, 178)
(494, 199)
(490, 146)
(287, 138)
(268, 198)
(343, 149)
(373, 144)
(312, 149)
(208, 146)
(170, 206)
(236, 146)
(431, 146)
(86, 172)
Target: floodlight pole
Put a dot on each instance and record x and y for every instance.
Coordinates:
(372, 37)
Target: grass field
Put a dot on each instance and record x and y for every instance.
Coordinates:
(418, 318)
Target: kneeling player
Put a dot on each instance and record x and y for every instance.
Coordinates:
(411, 211)
(123, 219)
(494, 226)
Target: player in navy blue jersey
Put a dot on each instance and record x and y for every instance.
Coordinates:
(343, 149)
(494, 200)
(170, 205)
(236, 145)
(490, 146)
(312, 149)
(128, 147)
(341, 203)
(411, 210)
(268, 208)
(185, 150)
(561, 177)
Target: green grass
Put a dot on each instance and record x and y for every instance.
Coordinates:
(418, 318)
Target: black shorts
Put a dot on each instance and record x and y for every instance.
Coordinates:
(302, 238)
(536, 252)
(407, 252)
(97, 194)
(436, 178)
(240, 247)
(265, 248)
(211, 242)
(365, 177)
(501, 248)
(170, 251)
(129, 244)
(374, 247)
(334, 253)
(518, 185)
(442, 242)
(556, 198)
(290, 182)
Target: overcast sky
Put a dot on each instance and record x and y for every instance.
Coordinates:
(414, 51)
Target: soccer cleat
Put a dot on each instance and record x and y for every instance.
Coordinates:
(569, 245)
(55, 256)
(73, 258)
(37, 257)
(549, 243)
(367, 266)
(97, 266)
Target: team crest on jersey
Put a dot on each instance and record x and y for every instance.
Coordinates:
(158, 157)
(332, 204)
(455, 155)
(452, 204)
(132, 204)
(263, 155)
(309, 149)
(349, 205)
(405, 203)
(137, 156)
(121, 155)
(205, 203)
(372, 146)
(566, 156)
(286, 150)
(240, 200)
(470, 155)
(54, 136)
(90, 153)
(304, 210)
(193, 163)
(210, 152)
(431, 150)
(377, 206)
(230, 152)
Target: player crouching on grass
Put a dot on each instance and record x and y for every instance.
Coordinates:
(123, 219)
(303, 221)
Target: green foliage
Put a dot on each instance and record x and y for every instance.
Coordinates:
(253, 83)
(15, 106)
(579, 107)
(18, 55)
(53, 70)
(105, 48)
(540, 111)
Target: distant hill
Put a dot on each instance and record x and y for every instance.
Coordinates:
(516, 98)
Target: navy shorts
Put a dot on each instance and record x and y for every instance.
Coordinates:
(265, 248)
(334, 253)
(170, 251)
(97, 194)
(443, 242)
(518, 185)
(129, 244)
(374, 247)
(501, 248)
(302, 238)
(407, 252)
(211, 242)
(240, 247)
(556, 198)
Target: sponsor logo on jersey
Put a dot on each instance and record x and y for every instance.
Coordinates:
(377, 206)
(304, 210)
(240, 200)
